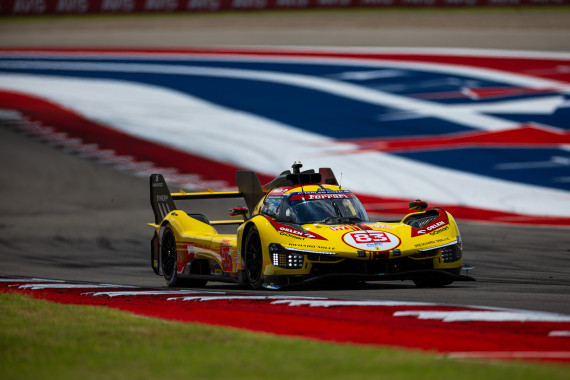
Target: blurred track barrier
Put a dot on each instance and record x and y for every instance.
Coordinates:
(35, 7)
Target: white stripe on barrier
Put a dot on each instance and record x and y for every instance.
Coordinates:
(244, 140)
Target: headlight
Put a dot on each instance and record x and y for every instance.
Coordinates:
(451, 253)
(283, 258)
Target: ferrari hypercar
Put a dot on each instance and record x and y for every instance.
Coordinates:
(299, 228)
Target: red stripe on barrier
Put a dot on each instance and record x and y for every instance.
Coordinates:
(376, 324)
(74, 126)
(526, 136)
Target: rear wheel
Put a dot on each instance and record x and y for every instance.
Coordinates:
(253, 259)
(168, 263)
(168, 257)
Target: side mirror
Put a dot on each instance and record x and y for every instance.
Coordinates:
(418, 205)
(239, 211)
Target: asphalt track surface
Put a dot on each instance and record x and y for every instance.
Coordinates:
(68, 217)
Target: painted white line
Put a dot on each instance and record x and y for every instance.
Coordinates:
(69, 286)
(469, 314)
(149, 293)
(509, 355)
(336, 303)
(256, 298)
(485, 316)
(560, 333)
(28, 280)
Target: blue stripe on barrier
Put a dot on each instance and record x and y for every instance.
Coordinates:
(343, 118)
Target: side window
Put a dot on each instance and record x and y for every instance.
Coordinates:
(271, 206)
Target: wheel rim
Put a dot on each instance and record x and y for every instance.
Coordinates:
(168, 253)
(254, 259)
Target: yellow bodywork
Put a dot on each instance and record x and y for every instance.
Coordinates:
(320, 244)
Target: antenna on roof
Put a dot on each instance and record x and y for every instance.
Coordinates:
(296, 166)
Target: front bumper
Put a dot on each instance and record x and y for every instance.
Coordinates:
(287, 281)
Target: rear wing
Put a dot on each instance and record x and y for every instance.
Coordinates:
(249, 188)
(162, 200)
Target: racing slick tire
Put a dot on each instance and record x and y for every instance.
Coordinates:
(168, 263)
(253, 257)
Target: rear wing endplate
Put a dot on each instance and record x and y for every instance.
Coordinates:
(160, 199)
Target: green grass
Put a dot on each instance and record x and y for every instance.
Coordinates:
(41, 340)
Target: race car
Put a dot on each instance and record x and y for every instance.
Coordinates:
(299, 228)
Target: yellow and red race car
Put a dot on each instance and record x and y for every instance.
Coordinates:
(299, 228)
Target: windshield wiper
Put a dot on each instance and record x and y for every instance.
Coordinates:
(340, 220)
(331, 220)
(352, 219)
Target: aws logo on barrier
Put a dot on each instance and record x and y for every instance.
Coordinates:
(29, 6)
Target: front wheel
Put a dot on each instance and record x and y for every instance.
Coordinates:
(253, 256)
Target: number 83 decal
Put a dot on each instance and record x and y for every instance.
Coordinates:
(371, 240)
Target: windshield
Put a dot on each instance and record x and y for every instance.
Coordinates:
(329, 211)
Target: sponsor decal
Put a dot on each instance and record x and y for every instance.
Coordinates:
(293, 232)
(327, 196)
(190, 254)
(315, 196)
(291, 3)
(161, 5)
(443, 220)
(333, 3)
(239, 262)
(377, 2)
(439, 230)
(431, 242)
(249, 4)
(322, 194)
(301, 246)
(118, 5)
(29, 6)
(210, 5)
(378, 226)
(74, 6)
(339, 228)
(279, 191)
(227, 261)
(371, 240)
